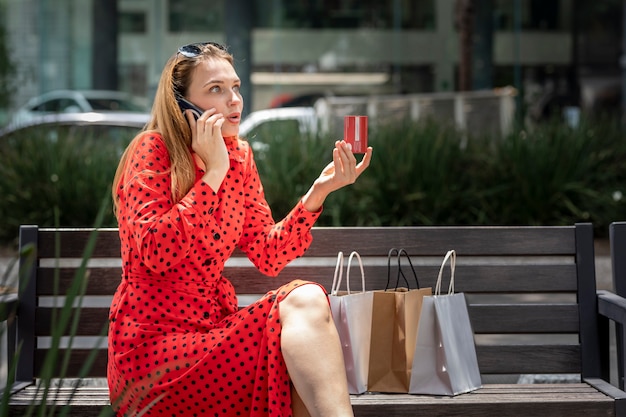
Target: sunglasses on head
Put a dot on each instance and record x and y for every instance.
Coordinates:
(192, 50)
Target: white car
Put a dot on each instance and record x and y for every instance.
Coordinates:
(78, 101)
(297, 119)
(283, 123)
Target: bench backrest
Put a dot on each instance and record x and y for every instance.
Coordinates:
(522, 284)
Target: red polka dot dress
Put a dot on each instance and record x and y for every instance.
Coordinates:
(178, 344)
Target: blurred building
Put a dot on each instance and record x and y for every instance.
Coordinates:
(557, 52)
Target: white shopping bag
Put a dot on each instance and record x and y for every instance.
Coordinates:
(352, 313)
(445, 361)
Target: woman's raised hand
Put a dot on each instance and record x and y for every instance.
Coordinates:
(342, 171)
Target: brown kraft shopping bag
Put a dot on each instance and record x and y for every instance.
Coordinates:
(395, 319)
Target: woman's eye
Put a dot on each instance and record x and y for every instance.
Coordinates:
(216, 89)
(236, 88)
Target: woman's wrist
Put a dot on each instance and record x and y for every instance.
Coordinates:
(314, 198)
(214, 178)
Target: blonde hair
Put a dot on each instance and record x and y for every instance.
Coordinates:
(168, 121)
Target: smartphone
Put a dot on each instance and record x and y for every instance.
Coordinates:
(185, 104)
(355, 132)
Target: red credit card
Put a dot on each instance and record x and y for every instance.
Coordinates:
(355, 132)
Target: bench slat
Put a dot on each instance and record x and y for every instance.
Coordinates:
(467, 241)
(500, 319)
(247, 280)
(492, 359)
(102, 281)
(524, 318)
(528, 359)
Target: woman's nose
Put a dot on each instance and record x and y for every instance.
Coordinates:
(235, 97)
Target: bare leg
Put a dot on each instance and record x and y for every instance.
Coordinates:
(312, 351)
(297, 406)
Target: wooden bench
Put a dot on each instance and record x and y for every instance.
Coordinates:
(531, 293)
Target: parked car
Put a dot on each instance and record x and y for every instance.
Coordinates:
(116, 127)
(290, 122)
(78, 101)
(301, 119)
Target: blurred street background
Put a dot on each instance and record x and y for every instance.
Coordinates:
(556, 53)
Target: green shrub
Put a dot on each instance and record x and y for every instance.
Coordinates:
(288, 167)
(39, 174)
(554, 175)
(430, 174)
(421, 174)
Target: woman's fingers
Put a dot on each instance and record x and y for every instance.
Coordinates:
(365, 162)
(209, 122)
(207, 140)
(347, 162)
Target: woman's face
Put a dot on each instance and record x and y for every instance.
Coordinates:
(215, 84)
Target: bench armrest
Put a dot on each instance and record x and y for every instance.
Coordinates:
(612, 306)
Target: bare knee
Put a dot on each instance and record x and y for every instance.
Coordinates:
(307, 302)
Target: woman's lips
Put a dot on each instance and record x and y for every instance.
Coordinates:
(234, 117)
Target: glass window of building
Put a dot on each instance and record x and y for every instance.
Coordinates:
(347, 14)
(132, 22)
(195, 16)
(547, 15)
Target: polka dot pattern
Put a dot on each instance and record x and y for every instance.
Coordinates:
(178, 343)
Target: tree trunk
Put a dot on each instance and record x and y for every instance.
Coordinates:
(465, 27)
(104, 58)
(482, 65)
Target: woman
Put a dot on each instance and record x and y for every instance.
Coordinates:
(186, 193)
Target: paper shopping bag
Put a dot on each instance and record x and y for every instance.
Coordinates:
(395, 318)
(445, 361)
(352, 313)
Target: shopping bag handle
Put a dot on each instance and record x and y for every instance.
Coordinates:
(451, 255)
(358, 257)
(339, 272)
(399, 253)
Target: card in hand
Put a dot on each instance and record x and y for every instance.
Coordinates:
(355, 132)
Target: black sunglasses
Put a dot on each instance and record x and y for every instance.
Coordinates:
(192, 50)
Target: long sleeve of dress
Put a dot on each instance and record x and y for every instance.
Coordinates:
(270, 246)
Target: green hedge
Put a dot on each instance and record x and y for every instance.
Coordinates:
(40, 175)
(421, 174)
(430, 174)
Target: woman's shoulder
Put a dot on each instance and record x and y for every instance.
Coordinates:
(150, 137)
(149, 141)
